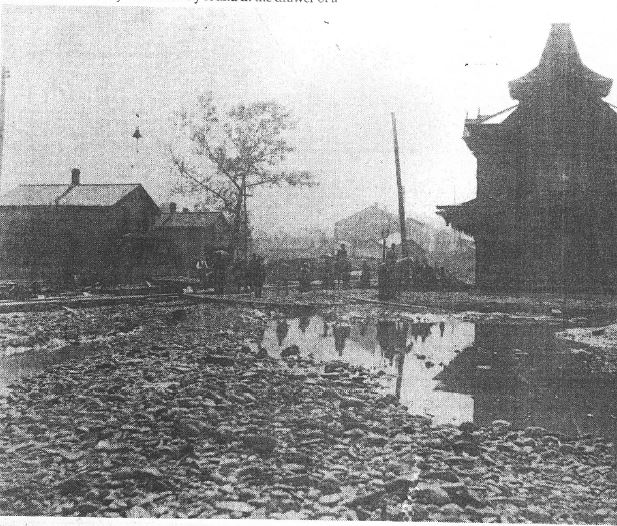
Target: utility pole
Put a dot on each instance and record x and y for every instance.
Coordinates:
(5, 75)
(401, 197)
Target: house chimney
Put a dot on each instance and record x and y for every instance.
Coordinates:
(172, 208)
(75, 176)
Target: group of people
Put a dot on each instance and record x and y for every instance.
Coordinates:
(336, 270)
(396, 275)
(247, 275)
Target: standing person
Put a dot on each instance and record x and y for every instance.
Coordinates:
(346, 272)
(203, 272)
(261, 277)
(383, 282)
(305, 278)
(342, 252)
(219, 273)
(365, 277)
(256, 273)
(251, 272)
(340, 264)
(391, 255)
(328, 273)
(283, 276)
(239, 274)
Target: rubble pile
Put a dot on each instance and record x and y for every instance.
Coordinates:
(186, 418)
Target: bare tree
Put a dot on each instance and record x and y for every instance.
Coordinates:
(221, 157)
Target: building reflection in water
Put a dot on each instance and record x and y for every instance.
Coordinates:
(485, 371)
(523, 374)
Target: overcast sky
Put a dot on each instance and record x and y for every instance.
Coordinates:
(79, 75)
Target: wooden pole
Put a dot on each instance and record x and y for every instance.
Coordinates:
(401, 196)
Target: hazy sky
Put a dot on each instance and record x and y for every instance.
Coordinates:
(79, 75)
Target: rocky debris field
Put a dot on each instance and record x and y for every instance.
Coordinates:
(186, 417)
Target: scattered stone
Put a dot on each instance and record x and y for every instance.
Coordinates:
(330, 499)
(292, 350)
(430, 494)
(234, 506)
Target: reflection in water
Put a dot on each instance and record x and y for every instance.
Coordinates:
(282, 328)
(383, 345)
(466, 371)
(341, 333)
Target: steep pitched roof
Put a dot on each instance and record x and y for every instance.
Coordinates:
(97, 194)
(371, 211)
(560, 58)
(67, 195)
(33, 195)
(188, 219)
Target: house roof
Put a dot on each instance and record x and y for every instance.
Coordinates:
(371, 213)
(560, 58)
(67, 195)
(188, 219)
(373, 210)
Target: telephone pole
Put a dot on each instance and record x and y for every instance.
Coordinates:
(401, 196)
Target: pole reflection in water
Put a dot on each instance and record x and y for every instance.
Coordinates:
(382, 345)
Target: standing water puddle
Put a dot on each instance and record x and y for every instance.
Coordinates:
(456, 371)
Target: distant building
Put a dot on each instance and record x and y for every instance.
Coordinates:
(544, 216)
(71, 232)
(179, 239)
(301, 245)
(439, 245)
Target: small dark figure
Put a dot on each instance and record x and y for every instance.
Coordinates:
(239, 272)
(383, 282)
(365, 277)
(283, 277)
(328, 273)
(256, 274)
(282, 328)
(391, 256)
(346, 272)
(305, 278)
(342, 252)
(219, 273)
(342, 267)
(303, 323)
(204, 272)
(442, 327)
(341, 333)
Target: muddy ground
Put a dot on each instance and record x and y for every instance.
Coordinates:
(175, 412)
